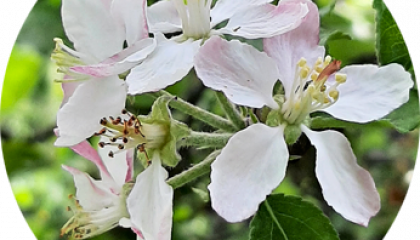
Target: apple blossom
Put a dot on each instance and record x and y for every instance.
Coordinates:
(115, 200)
(173, 58)
(100, 204)
(254, 161)
(98, 30)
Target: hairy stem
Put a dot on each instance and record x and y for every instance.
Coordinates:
(205, 140)
(194, 172)
(231, 112)
(199, 113)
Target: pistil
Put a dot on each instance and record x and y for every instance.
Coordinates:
(195, 17)
(310, 89)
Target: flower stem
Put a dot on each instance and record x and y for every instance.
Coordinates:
(199, 113)
(205, 140)
(232, 114)
(194, 172)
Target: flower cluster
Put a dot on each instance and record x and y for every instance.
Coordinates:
(124, 47)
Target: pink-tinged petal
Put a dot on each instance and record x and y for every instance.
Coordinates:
(85, 150)
(251, 165)
(163, 17)
(168, 64)
(130, 163)
(92, 29)
(302, 42)
(93, 100)
(91, 194)
(347, 187)
(266, 20)
(132, 13)
(68, 90)
(225, 9)
(371, 92)
(120, 62)
(117, 165)
(244, 74)
(150, 202)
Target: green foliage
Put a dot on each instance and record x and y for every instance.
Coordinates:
(283, 217)
(18, 83)
(407, 117)
(390, 44)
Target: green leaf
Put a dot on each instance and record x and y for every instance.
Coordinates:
(407, 117)
(326, 36)
(390, 45)
(21, 76)
(283, 217)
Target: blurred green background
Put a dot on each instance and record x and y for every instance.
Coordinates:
(30, 100)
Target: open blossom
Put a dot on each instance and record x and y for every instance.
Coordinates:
(173, 58)
(98, 30)
(254, 161)
(101, 204)
(104, 204)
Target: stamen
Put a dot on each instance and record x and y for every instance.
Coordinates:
(340, 78)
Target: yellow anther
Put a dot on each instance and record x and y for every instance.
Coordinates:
(327, 60)
(304, 72)
(314, 76)
(340, 78)
(334, 94)
(318, 61)
(319, 69)
(326, 100)
(302, 62)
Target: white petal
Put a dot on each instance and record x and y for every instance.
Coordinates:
(91, 194)
(244, 74)
(68, 90)
(168, 63)
(93, 100)
(266, 20)
(92, 29)
(225, 9)
(371, 92)
(163, 17)
(120, 62)
(117, 165)
(302, 42)
(85, 150)
(251, 165)
(347, 187)
(132, 13)
(150, 202)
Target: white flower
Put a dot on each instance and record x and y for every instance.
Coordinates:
(100, 204)
(173, 58)
(103, 204)
(98, 30)
(254, 161)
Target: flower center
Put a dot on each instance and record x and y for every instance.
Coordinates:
(65, 58)
(195, 16)
(128, 132)
(86, 224)
(311, 91)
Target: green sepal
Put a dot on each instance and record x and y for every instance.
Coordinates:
(161, 114)
(292, 134)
